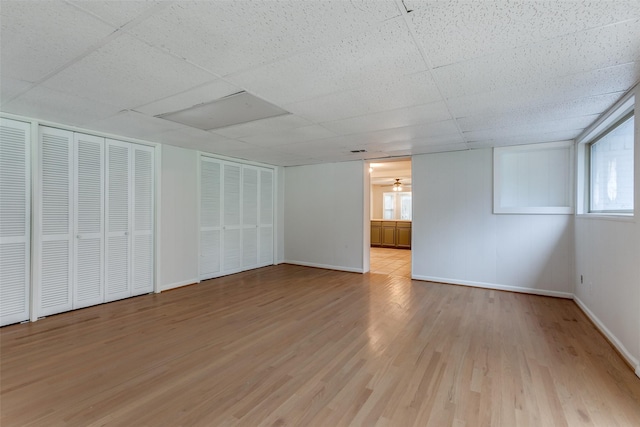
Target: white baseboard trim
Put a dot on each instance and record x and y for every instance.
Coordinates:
(494, 286)
(325, 266)
(179, 284)
(607, 333)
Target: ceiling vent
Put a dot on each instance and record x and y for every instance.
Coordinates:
(241, 107)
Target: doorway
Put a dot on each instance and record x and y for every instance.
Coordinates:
(390, 217)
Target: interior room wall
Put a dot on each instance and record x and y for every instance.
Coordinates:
(608, 259)
(179, 226)
(323, 215)
(457, 238)
(376, 200)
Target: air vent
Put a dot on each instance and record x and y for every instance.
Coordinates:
(358, 151)
(241, 107)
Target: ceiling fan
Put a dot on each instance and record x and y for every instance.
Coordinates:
(397, 186)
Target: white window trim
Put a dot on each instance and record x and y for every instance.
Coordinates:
(591, 134)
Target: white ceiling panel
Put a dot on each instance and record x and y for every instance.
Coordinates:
(575, 53)
(128, 73)
(133, 125)
(260, 127)
(439, 148)
(612, 80)
(197, 139)
(289, 136)
(226, 37)
(198, 95)
(575, 125)
(46, 104)
(10, 88)
(39, 37)
(117, 12)
(387, 50)
(452, 31)
(532, 116)
(385, 94)
(409, 116)
(565, 135)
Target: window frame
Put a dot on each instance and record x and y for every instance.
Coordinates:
(622, 119)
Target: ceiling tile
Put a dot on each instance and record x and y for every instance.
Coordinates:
(116, 12)
(128, 73)
(46, 104)
(36, 42)
(260, 127)
(575, 53)
(196, 139)
(565, 135)
(9, 88)
(533, 116)
(616, 79)
(385, 94)
(289, 136)
(419, 114)
(133, 125)
(198, 95)
(572, 125)
(451, 32)
(226, 37)
(387, 50)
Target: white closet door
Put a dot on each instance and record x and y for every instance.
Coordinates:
(89, 220)
(210, 218)
(117, 220)
(143, 224)
(266, 218)
(232, 228)
(15, 214)
(56, 222)
(249, 217)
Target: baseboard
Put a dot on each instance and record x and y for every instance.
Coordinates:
(484, 285)
(325, 266)
(632, 361)
(179, 284)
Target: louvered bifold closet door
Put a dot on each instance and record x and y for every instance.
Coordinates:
(143, 224)
(249, 217)
(15, 139)
(266, 217)
(89, 221)
(210, 218)
(117, 220)
(232, 227)
(55, 253)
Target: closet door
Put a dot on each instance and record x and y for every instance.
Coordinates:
(210, 218)
(143, 224)
(231, 230)
(249, 217)
(56, 222)
(15, 214)
(89, 220)
(266, 218)
(117, 221)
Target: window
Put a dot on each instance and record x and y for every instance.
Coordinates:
(396, 205)
(611, 169)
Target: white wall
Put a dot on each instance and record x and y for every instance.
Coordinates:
(457, 239)
(323, 218)
(179, 213)
(608, 258)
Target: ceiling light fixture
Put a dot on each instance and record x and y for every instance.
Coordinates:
(241, 107)
(397, 186)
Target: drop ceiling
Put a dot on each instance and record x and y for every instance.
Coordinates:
(354, 75)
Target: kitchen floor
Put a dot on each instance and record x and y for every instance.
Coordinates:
(394, 262)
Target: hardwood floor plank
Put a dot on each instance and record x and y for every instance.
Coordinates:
(297, 346)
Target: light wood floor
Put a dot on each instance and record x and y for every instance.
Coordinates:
(394, 262)
(298, 346)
